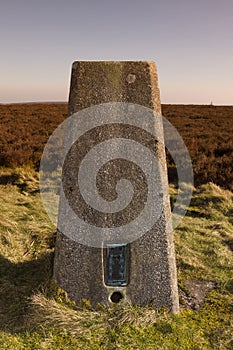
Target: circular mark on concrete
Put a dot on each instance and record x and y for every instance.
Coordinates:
(131, 78)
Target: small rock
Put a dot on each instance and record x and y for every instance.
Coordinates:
(197, 291)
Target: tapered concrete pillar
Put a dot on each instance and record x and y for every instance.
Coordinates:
(141, 270)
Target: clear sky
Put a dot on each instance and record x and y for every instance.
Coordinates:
(190, 40)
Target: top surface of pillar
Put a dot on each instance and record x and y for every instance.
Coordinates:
(93, 83)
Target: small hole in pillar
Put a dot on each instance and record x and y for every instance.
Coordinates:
(116, 297)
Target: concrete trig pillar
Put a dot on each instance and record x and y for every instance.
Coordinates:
(141, 270)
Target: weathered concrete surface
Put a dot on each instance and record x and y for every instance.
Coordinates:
(78, 269)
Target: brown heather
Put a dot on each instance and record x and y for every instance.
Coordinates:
(206, 129)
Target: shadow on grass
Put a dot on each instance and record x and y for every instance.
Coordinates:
(16, 179)
(9, 179)
(18, 281)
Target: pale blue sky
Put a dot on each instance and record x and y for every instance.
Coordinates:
(191, 42)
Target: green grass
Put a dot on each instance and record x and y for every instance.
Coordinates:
(35, 314)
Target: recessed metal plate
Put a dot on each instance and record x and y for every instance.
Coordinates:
(116, 265)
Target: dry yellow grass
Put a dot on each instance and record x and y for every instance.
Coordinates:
(34, 314)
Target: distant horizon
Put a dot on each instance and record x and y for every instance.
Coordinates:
(162, 103)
